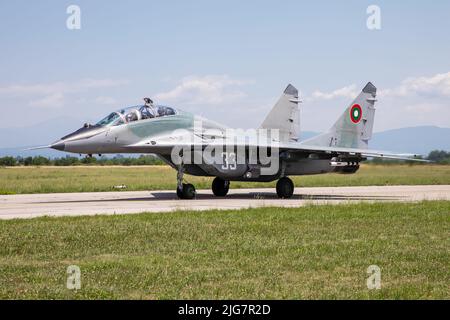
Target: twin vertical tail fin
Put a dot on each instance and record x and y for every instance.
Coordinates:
(354, 127)
(285, 116)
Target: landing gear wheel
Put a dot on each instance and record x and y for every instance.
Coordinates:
(186, 192)
(189, 191)
(220, 187)
(285, 188)
(180, 192)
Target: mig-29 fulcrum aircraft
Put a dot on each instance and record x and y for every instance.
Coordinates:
(200, 147)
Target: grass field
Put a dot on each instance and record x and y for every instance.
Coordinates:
(310, 252)
(84, 179)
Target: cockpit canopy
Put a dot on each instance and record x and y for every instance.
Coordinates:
(136, 113)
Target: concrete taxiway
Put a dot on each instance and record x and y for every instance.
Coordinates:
(71, 204)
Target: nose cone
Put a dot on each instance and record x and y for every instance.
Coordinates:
(59, 145)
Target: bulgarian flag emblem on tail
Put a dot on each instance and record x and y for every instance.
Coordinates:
(355, 113)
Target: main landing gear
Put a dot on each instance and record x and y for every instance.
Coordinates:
(184, 190)
(220, 187)
(285, 188)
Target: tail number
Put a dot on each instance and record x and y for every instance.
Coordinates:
(229, 161)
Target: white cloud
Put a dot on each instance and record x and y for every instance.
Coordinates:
(54, 100)
(437, 85)
(417, 101)
(345, 92)
(209, 89)
(52, 95)
(414, 101)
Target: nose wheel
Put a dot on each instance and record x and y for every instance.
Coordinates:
(285, 188)
(220, 187)
(187, 191)
(184, 190)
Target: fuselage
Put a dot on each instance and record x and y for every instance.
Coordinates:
(120, 133)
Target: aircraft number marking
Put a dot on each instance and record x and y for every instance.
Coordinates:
(229, 161)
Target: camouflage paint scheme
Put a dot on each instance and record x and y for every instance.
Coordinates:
(340, 149)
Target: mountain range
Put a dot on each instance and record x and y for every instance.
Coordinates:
(417, 140)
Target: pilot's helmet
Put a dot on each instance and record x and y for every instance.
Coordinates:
(148, 101)
(131, 117)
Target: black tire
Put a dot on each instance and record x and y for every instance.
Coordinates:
(285, 188)
(220, 187)
(188, 191)
(180, 192)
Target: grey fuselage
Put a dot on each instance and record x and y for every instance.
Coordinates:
(156, 136)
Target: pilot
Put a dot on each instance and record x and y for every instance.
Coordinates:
(132, 116)
(148, 102)
(148, 110)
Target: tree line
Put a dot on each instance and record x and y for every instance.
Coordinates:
(75, 161)
(438, 156)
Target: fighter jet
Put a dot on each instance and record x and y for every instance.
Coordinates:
(200, 147)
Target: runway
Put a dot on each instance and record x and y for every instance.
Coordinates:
(124, 202)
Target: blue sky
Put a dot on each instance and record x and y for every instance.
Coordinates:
(226, 60)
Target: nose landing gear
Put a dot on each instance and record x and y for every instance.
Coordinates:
(285, 188)
(184, 190)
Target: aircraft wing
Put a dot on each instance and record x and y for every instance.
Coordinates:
(167, 143)
(352, 151)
